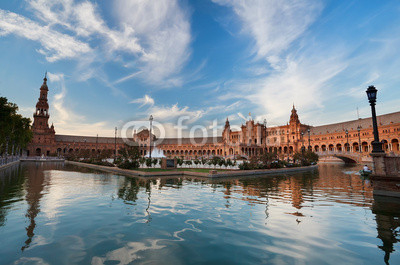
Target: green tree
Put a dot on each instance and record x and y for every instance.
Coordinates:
(14, 129)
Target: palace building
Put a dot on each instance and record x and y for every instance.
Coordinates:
(252, 139)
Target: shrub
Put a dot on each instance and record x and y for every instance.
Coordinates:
(129, 164)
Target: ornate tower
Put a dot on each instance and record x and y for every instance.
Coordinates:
(43, 135)
(294, 128)
(226, 132)
(294, 118)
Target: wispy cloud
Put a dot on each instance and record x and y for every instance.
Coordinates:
(146, 100)
(164, 30)
(55, 45)
(66, 121)
(166, 113)
(274, 24)
(150, 37)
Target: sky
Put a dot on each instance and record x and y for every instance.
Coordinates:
(112, 62)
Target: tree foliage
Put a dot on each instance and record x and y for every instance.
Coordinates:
(305, 158)
(128, 157)
(14, 129)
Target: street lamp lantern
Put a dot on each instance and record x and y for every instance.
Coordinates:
(376, 145)
(288, 146)
(371, 93)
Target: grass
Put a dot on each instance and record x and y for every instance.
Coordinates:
(202, 170)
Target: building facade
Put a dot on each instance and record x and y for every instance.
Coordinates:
(252, 139)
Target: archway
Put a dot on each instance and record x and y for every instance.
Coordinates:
(38, 152)
(355, 147)
(395, 145)
(347, 147)
(323, 148)
(339, 147)
(330, 147)
(364, 147)
(385, 145)
(316, 148)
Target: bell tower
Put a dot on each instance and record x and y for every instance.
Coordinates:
(294, 128)
(43, 135)
(41, 115)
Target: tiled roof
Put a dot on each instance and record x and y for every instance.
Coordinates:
(352, 125)
(89, 139)
(198, 140)
(110, 140)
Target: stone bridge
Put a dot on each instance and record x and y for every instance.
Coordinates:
(347, 157)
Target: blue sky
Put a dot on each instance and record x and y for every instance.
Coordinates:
(110, 62)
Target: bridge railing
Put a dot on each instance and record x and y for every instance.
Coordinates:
(42, 158)
(321, 153)
(8, 159)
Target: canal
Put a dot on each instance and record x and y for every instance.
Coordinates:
(51, 213)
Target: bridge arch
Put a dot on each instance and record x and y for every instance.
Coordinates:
(346, 159)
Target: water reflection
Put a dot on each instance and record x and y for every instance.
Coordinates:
(302, 217)
(387, 211)
(11, 190)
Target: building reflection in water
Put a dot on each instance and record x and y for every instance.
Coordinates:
(35, 187)
(387, 212)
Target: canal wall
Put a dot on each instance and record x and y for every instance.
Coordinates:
(8, 164)
(212, 174)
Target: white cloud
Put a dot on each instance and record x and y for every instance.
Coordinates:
(174, 112)
(150, 37)
(66, 121)
(164, 30)
(274, 24)
(55, 45)
(146, 100)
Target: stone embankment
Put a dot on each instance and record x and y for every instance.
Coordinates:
(211, 174)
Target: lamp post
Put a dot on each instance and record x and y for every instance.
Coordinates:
(359, 138)
(309, 139)
(288, 156)
(376, 145)
(115, 144)
(265, 136)
(151, 121)
(302, 141)
(347, 136)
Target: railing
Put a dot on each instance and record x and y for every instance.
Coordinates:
(338, 153)
(44, 158)
(8, 159)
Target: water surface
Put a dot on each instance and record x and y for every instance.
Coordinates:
(60, 214)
